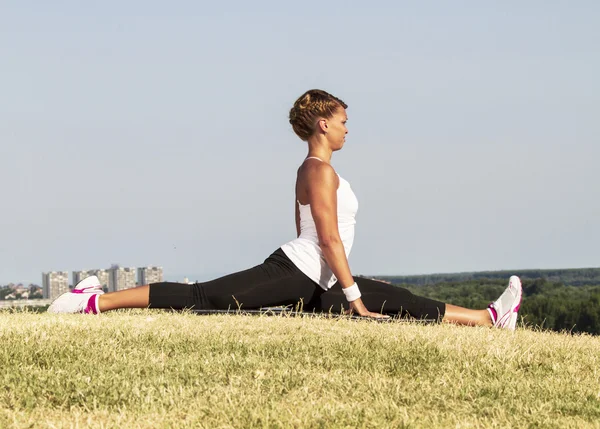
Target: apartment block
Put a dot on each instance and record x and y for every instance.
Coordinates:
(147, 275)
(121, 278)
(55, 283)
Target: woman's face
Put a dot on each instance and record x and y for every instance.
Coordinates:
(336, 129)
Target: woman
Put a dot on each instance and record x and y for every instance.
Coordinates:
(313, 268)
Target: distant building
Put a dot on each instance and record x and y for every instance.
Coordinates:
(55, 283)
(80, 275)
(121, 278)
(147, 275)
(103, 277)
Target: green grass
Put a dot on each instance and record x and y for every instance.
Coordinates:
(152, 369)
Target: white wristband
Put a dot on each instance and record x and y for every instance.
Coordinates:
(352, 293)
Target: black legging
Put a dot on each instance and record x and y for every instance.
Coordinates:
(278, 282)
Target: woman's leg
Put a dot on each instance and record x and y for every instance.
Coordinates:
(137, 297)
(275, 282)
(465, 316)
(385, 298)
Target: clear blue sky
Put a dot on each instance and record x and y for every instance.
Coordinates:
(146, 132)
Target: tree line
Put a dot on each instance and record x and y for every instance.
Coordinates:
(568, 277)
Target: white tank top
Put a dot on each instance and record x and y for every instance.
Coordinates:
(305, 251)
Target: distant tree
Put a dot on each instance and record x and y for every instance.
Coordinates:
(4, 291)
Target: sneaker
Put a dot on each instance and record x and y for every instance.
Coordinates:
(504, 310)
(82, 299)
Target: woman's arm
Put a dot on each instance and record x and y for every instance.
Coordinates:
(321, 185)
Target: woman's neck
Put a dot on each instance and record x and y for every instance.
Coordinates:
(316, 149)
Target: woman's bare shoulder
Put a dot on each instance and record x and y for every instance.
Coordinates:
(316, 169)
(317, 174)
(314, 177)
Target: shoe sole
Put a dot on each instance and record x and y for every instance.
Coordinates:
(513, 314)
(509, 319)
(512, 322)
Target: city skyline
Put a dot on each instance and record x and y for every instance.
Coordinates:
(112, 279)
(193, 278)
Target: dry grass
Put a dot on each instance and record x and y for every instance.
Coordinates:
(152, 369)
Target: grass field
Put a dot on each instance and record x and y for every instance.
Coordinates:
(152, 369)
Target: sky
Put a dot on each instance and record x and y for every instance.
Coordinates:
(156, 133)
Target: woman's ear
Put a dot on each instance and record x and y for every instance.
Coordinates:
(323, 125)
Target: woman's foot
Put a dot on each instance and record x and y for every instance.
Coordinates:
(504, 310)
(82, 299)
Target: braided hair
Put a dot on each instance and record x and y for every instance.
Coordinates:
(309, 108)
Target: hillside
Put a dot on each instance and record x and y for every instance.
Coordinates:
(151, 369)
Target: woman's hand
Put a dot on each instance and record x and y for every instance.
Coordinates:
(358, 307)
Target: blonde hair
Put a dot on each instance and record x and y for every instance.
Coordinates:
(309, 108)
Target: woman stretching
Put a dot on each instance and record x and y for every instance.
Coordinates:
(312, 269)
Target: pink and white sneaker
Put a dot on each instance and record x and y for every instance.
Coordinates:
(504, 310)
(82, 299)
